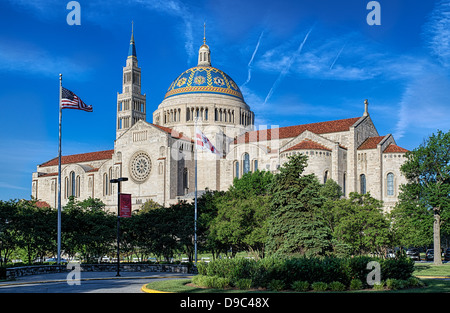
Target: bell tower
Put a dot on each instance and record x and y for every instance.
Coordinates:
(131, 104)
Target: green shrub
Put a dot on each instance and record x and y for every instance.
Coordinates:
(211, 281)
(415, 282)
(379, 286)
(337, 286)
(392, 283)
(276, 285)
(300, 286)
(202, 268)
(319, 286)
(243, 283)
(401, 268)
(356, 284)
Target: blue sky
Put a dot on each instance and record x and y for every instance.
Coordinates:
(296, 62)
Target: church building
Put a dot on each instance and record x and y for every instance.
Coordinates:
(158, 157)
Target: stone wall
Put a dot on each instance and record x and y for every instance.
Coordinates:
(13, 272)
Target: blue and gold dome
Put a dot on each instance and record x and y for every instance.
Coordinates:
(204, 79)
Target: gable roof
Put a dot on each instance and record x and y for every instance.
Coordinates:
(80, 158)
(371, 143)
(293, 131)
(394, 149)
(307, 145)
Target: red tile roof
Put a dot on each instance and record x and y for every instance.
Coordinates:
(294, 131)
(173, 133)
(371, 143)
(80, 158)
(307, 145)
(42, 204)
(394, 149)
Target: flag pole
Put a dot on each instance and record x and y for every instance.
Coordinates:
(195, 214)
(59, 173)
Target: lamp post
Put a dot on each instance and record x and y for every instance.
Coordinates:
(118, 181)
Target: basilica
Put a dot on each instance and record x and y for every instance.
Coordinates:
(158, 157)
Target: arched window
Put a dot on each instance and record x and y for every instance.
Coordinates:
(236, 169)
(105, 184)
(325, 177)
(390, 184)
(246, 167)
(343, 184)
(77, 186)
(255, 165)
(362, 178)
(72, 184)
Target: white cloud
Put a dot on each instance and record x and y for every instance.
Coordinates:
(437, 32)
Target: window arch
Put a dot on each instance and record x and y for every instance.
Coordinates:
(325, 177)
(72, 190)
(362, 178)
(390, 184)
(246, 165)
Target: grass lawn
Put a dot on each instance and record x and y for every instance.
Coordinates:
(180, 285)
(428, 269)
(422, 269)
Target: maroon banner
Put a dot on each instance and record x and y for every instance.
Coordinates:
(125, 205)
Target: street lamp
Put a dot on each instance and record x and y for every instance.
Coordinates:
(118, 181)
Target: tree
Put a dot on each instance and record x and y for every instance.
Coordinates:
(294, 225)
(359, 223)
(427, 169)
(242, 214)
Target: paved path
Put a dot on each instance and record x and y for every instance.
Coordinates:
(89, 282)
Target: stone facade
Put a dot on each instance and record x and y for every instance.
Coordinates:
(158, 157)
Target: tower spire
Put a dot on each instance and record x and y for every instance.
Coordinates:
(204, 33)
(132, 48)
(204, 54)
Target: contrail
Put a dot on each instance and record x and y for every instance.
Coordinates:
(251, 60)
(337, 57)
(287, 68)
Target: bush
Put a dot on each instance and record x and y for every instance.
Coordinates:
(319, 286)
(300, 286)
(211, 281)
(243, 284)
(290, 270)
(379, 286)
(356, 284)
(392, 283)
(414, 282)
(337, 286)
(276, 285)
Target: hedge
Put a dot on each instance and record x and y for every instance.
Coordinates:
(269, 272)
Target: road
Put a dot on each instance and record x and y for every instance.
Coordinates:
(88, 282)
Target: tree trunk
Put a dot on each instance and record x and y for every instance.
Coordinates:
(437, 236)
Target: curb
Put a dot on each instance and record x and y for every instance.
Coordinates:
(148, 290)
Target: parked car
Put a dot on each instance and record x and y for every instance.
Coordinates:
(390, 253)
(413, 253)
(429, 255)
(447, 255)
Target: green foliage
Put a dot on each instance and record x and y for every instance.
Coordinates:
(276, 285)
(379, 287)
(319, 286)
(356, 284)
(337, 286)
(393, 284)
(294, 226)
(243, 283)
(337, 271)
(211, 282)
(300, 286)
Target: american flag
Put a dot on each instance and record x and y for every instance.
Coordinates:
(69, 100)
(202, 142)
